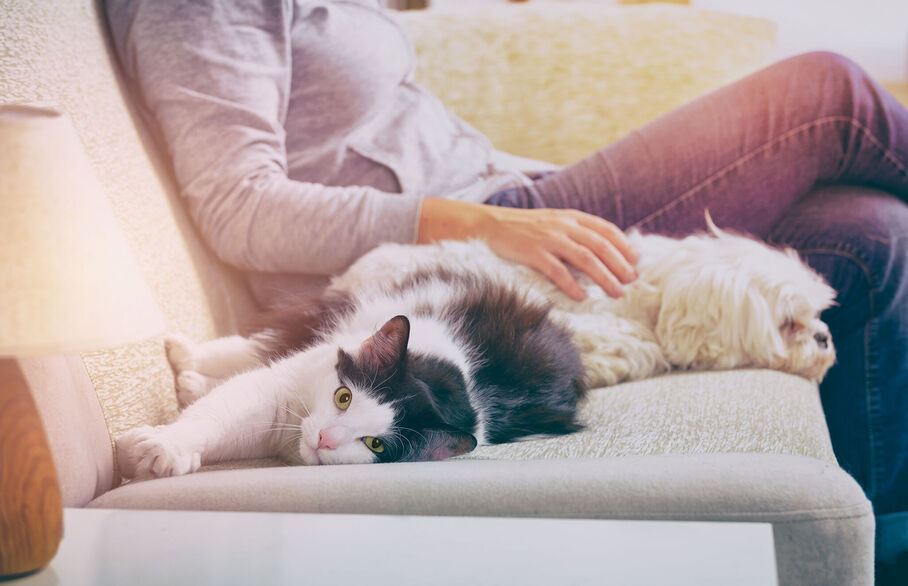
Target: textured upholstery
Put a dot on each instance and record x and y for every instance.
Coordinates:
(556, 82)
(750, 411)
(733, 446)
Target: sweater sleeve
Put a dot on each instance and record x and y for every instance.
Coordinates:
(215, 77)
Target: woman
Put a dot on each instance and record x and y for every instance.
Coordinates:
(300, 142)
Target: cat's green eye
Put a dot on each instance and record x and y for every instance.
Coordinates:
(374, 444)
(342, 398)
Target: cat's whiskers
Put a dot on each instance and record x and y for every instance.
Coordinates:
(267, 427)
(281, 426)
(283, 406)
(401, 436)
(396, 441)
(270, 428)
(381, 386)
(289, 410)
(413, 430)
(290, 440)
(306, 407)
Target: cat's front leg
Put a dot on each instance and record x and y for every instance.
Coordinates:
(152, 452)
(245, 417)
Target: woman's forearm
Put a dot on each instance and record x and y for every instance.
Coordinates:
(445, 219)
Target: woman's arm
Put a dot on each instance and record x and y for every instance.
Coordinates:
(216, 78)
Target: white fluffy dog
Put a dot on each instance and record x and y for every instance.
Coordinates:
(708, 301)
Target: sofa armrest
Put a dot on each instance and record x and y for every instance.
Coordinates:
(558, 81)
(74, 423)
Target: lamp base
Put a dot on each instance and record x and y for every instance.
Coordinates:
(31, 506)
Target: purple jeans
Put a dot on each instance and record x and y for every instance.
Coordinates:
(812, 154)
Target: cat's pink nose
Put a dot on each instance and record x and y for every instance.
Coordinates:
(329, 438)
(324, 441)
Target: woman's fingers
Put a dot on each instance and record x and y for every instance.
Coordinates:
(587, 261)
(554, 268)
(610, 260)
(547, 240)
(563, 243)
(614, 248)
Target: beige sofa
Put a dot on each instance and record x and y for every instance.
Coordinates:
(549, 81)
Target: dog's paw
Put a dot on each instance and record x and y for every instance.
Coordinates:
(147, 452)
(191, 386)
(181, 352)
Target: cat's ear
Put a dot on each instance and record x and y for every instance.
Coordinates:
(384, 350)
(440, 444)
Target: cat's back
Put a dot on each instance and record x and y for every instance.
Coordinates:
(524, 370)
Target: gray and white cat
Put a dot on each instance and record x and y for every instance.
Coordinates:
(422, 369)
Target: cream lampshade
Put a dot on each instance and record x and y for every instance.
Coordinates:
(68, 281)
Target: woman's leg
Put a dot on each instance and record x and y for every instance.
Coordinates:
(745, 152)
(749, 153)
(857, 239)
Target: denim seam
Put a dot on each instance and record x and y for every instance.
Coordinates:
(849, 254)
(872, 397)
(887, 153)
(619, 200)
(760, 150)
(874, 404)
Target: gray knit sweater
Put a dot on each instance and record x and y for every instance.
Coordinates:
(297, 134)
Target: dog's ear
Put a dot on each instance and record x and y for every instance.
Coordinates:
(713, 317)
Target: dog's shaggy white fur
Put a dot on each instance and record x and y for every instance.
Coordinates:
(710, 301)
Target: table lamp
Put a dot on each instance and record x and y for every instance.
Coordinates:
(68, 283)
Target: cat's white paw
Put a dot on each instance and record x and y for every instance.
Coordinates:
(191, 386)
(181, 352)
(147, 452)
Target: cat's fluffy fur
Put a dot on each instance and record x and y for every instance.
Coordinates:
(464, 359)
(708, 301)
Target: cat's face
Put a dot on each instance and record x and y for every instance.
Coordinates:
(364, 406)
(338, 417)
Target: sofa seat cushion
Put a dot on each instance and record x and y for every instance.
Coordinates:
(690, 413)
(727, 487)
(822, 524)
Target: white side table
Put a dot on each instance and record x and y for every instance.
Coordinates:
(127, 547)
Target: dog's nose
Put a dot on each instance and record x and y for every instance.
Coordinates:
(822, 340)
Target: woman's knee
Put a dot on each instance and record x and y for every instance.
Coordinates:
(826, 62)
(829, 78)
(856, 237)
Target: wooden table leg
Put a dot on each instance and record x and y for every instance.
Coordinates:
(31, 508)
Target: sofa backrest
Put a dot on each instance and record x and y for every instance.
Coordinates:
(558, 81)
(55, 53)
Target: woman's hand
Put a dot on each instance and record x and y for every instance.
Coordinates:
(546, 240)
